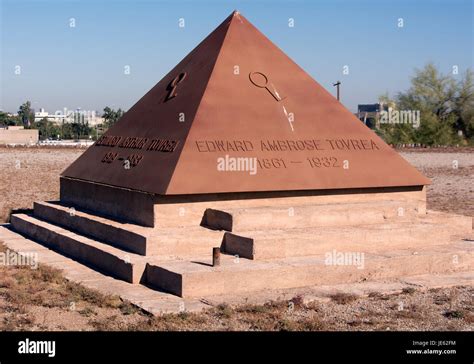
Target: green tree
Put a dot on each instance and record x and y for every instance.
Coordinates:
(111, 116)
(3, 119)
(429, 91)
(446, 108)
(26, 114)
(47, 129)
(76, 130)
(7, 120)
(463, 105)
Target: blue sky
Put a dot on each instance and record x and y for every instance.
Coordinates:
(83, 66)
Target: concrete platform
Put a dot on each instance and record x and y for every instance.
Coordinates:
(187, 210)
(158, 302)
(198, 278)
(428, 230)
(388, 239)
(301, 215)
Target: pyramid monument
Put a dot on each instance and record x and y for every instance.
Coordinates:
(237, 151)
(238, 95)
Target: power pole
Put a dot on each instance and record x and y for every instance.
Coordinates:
(337, 84)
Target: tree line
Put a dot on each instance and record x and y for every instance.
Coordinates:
(78, 129)
(446, 108)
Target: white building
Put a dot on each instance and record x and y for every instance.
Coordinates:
(70, 116)
(56, 117)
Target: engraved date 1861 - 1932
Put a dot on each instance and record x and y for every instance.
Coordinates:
(130, 161)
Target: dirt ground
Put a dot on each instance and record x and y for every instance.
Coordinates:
(42, 299)
(31, 174)
(452, 175)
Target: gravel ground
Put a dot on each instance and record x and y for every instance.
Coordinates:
(452, 177)
(28, 175)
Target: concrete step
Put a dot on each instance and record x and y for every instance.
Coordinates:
(158, 303)
(198, 278)
(150, 300)
(108, 259)
(292, 216)
(462, 224)
(122, 235)
(184, 242)
(180, 241)
(273, 244)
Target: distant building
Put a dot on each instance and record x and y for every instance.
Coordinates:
(56, 118)
(93, 119)
(369, 114)
(70, 116)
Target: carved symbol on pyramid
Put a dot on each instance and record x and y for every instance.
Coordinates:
(173, 85)
(260, 80)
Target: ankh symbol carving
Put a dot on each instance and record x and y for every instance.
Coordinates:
(173, 85)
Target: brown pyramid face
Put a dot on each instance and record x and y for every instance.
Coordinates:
(238, 115)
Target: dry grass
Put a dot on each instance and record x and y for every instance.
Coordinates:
(42, 299)
(22, 289)
(405, 311)
(343, 298)
(408, 290)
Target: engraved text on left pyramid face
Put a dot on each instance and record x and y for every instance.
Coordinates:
(260, 80)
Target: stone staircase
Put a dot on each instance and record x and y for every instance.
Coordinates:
(264, 247)
(235, 276)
